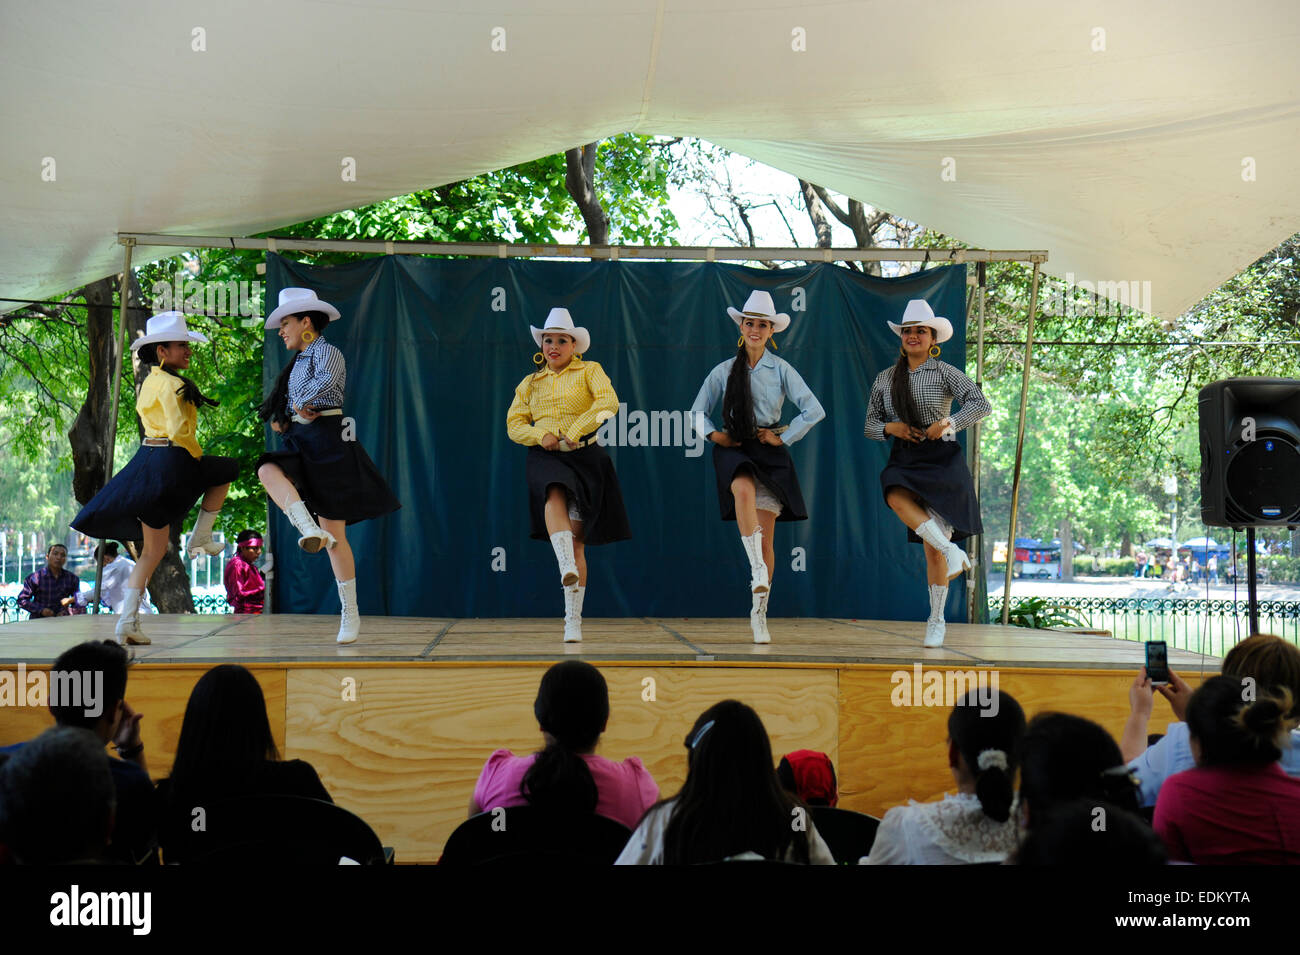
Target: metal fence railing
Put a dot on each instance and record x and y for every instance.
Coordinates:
(1196, 624)
(203, 603)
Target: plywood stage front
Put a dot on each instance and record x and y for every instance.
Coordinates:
(398, 724)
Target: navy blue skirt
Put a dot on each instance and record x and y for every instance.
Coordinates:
(336, 478)
(936, 472)
(589, 477)
(771, 464)
(158, 487)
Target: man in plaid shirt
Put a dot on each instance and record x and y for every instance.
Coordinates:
(53, 591)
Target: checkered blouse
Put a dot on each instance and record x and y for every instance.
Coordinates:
(935, 385)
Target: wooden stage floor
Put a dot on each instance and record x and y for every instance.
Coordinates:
(309, 638)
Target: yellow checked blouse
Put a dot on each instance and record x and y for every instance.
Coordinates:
(165, 414)
(569, 404)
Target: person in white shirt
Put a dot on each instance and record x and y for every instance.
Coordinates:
(117, 569)
(731, 806)
(978, 824)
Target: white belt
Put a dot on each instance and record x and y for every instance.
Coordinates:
(321, 414)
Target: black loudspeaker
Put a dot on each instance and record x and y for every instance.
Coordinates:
(1250, 452)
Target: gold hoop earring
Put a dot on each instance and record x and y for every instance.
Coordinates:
(772, 342)
(902, 352)
(577, 356)
(308, 337)
(539, 359)
(740, 342)
(935, 351)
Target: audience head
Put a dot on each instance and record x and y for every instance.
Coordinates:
(90, 680)
(572, 709)
(249, 545)
(986, 734)
(225, 731)
(1091, 832)
(810, 776)
(56, 555)
(1233, 724)
(1270, 661)
(107, 550)
(1066, 757)
(731, 801)
(57, 798)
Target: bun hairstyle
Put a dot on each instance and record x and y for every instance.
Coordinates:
(318, 320)
(572, 706)
(990, 746)
(1234, 730)
(1270, 661)
(188, 389)
(900, 391)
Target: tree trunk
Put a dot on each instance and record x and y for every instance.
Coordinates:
(1126, 544)
(1067, 549)
(580, 181)
(91, 434)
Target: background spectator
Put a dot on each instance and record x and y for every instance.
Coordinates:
(52, 591)
(226, 750)
(1091, 832)
(572, 710)
(976, 825)
(57, 799)
(731, 803)
(99, 670)
(1273, 663)
(1237, 806)
(810, 776)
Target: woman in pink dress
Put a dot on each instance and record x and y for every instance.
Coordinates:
(245, 585)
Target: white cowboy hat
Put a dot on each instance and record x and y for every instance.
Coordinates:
(561, 321)
(919, 312)
(296, 300)
(759, 305)
(166, 327)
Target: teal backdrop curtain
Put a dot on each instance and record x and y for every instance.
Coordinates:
(434, 351)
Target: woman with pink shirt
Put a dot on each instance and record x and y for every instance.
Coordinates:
(1237, 807)
(572, 709)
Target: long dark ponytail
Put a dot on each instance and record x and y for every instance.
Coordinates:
(976, 728)
(732, 800)
(738, 401)
(188, 389)
(900, 393)
(572, 706)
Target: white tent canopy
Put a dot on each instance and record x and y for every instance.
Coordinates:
(1151, 142)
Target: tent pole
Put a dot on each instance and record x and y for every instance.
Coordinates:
(1020, 445)
(127, 246)
(975, 546)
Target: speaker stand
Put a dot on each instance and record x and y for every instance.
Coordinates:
(1251, 597)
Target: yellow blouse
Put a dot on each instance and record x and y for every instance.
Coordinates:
(569, 404)
(165, 414)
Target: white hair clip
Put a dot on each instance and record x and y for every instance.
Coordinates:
(990, 758)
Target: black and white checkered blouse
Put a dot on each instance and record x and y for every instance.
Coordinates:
(935, 385)
(318, 377)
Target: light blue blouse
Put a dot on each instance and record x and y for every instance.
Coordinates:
(771, 381)
(1172, 753)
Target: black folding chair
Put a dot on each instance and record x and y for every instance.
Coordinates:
(849, 834)
(522, 836)
(288, 830)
